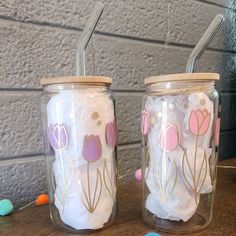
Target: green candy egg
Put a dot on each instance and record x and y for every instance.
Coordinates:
(6, 207)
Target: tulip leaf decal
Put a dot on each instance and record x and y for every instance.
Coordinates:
(199, 122)
(92, 151)
(108, 175)
(196, 182)
(92, 200)
(167, 185)
(58, 136)
(60, 192)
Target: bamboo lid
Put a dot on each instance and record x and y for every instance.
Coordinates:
(77, 79)
(182, 77)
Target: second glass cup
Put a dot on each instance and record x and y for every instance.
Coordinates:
(180, 127)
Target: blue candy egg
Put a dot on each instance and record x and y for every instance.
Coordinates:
(6, 207)
(152, 234)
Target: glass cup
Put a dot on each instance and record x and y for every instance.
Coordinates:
(180, 128)
(80, 137)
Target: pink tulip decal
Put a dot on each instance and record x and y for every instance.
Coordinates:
(58, 137)
(169, 137)
(168, 141)
(144, 122)
(199, 122)
(111, 134)
(92, 148)
(217, 133)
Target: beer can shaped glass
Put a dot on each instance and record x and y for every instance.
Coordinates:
(80, 137)
(180, 136)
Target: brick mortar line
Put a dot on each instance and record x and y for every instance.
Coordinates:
(126, 146)
(115, 91)
(22, 159)
(209, 49)
(129, 93)
(116, 36)
(38, 156)
(215, 4)
(160, 42)
(228, 131)
(21, 90)
(230, 92)
(138, 92)
(128, 90)
(21, 156)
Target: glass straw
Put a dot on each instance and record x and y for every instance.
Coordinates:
(86, 36)
(204, 42)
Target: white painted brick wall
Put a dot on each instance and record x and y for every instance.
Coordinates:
(134, 39)
(187, 21)
(119, 17)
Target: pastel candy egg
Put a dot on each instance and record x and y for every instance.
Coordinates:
(42, 199)
(138, 174)
(152, 234)
(6, 207)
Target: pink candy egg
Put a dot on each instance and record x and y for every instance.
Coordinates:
(138, 174)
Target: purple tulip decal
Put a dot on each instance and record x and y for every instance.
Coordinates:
(58, 137)
(92, 151)
(92, 148)
(111, 134)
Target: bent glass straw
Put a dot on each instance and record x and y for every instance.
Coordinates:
(204, 42)
(86, 36)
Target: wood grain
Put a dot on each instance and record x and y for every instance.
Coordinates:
(36, 221)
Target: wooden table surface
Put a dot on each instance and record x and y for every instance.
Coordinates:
(35, 220)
